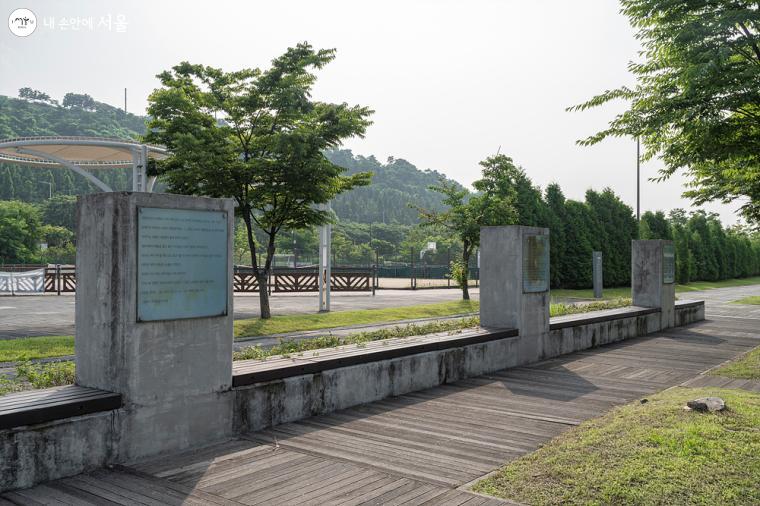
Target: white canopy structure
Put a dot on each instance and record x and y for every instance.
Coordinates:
(80, 153)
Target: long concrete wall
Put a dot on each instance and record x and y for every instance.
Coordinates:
(271, 403)
(37, 453)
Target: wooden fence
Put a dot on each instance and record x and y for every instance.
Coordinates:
(305, 280)
(63, 279)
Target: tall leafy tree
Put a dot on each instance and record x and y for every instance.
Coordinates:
(557, 222)
(19, 232)
(61, 211)
(615, 227)
(465, 214)
(258, 137)
(696, 102)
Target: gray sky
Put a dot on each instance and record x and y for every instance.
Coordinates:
(450, 81)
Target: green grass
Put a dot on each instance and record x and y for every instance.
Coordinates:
(296, 323)
(726, 283)
(316, 321)
(745, 367)
(751, 300)
(608, 293)
(614, 293)
(653, 453)
(31, 376)
(288, 347)
(29, 348)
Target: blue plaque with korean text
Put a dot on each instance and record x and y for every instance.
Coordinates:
(181, 264)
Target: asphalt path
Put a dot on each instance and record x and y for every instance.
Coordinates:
(51, 315)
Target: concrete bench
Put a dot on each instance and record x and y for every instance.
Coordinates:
(605, 315)
(38, 406)
(248, 372)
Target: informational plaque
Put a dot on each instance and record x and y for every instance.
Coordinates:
(535, 263)
(181, 264)
(668, 264)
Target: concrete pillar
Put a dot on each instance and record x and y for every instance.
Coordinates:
(514, 284)
(597, 276)
(154, 316)
(653, 277)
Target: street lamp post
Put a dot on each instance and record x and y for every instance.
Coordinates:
(50, 188)
(638, 179)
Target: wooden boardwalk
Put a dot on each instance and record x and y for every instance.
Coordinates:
(420, 448)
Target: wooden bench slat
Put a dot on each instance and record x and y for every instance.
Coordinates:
(45, 406)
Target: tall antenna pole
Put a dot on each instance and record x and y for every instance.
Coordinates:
(638, 180)
(125, 100)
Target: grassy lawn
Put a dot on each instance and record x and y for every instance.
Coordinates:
(287, 347)
(707, 285)
(30, 376)
(28, 348)
(315, 321)
(751, 300)
(608, 293)
(745, 367)
(653, 453)
(615, 293)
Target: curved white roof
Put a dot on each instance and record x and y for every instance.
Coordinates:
(79, 150)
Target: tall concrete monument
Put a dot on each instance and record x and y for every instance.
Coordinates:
(597, 273)
(653, 277)
(154, 315)
(514, 284)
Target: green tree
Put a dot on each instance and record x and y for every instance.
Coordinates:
(79, 101)
(696, 103)
(557, 222)
(19, 232)
(465, 213)
(580, 233)
(265, 150)
(654, 226)
(55, 236)
(615, 227)
(61, 210)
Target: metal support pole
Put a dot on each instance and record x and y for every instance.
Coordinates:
(143, 168)
(638, 180)
(448, 264)
(376, 272)
(411, 272)
(324, 271)
(135, 165)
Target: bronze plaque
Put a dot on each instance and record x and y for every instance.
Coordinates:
(535, 263)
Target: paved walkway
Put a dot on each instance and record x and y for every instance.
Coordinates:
(423, 447)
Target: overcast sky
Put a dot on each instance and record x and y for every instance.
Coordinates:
(450, 81)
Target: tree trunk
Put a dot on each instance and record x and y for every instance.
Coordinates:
(264, 309)
(466, 250)
(266, 312)
(262, 276)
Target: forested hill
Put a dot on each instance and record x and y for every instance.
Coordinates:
(395, 185)
(81, 115)
(22, 118)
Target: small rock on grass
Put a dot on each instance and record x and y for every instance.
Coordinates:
(705, 404)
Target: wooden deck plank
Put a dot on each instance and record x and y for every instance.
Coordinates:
(416, 448)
